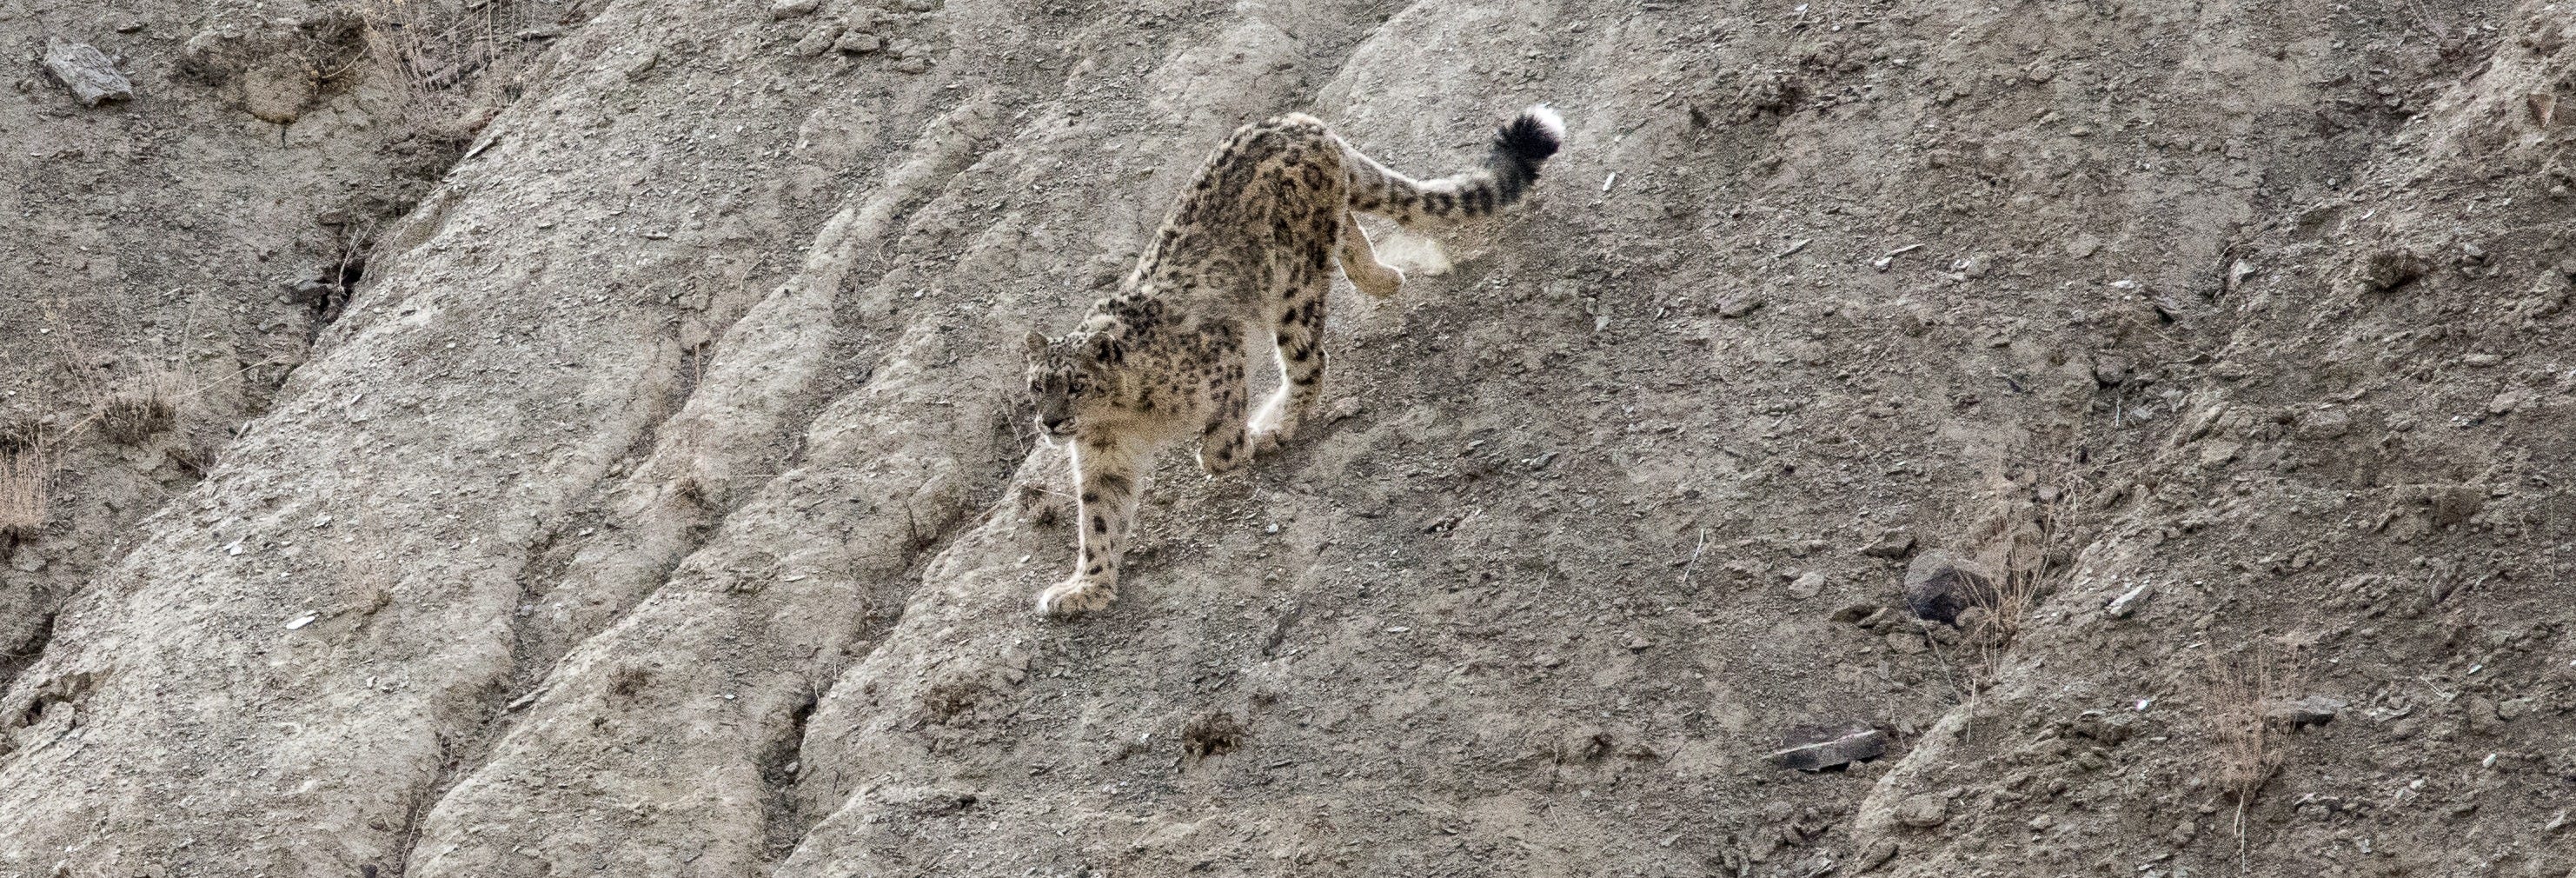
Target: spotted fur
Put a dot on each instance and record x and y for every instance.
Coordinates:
(1241, 265)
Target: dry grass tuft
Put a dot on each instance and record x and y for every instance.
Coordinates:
(146, 408)
(24, 503)
(2019, 534)
(439, 52)
(2244, 751)
(2238, 688)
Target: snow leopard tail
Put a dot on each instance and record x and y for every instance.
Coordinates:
(1520, 146)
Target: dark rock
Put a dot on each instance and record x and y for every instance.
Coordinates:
(1819, 747)
(1938, 585)
(88, 73)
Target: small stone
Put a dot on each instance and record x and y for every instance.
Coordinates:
(921, 5)
(2111, 371)
(2128, 602)
(1938, 585)
(1637, 643)
(858, 43)
(1344, 409)
(1906, 642)
(914, 65)
(2509, 401)
(2314, 710)
(1854, 613)
(2326, 424)
(640, 64)
(2483, 718)
(88, 73)
(1807, 585)
(818, 40)
(1894, 545)
(1740, 305)
(785, 9)
(1878, 853)
(1923, 811)
(2108, 727)
(2480, 361)
(1819, 747)
(2218, 453)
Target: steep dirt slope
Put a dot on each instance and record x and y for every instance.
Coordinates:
(168, 258)
(659, 503)
(2359, 504)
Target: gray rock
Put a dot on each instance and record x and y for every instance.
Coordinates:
(1923, 811)
(1894, 545)
(858, 43)
(2110, 371)
(2108, 727)
(2314, 710)
(818, 40)
(2324, 424)
(2128, 602)
(88, 73)
(1807, 585)
(1874, 856)
(793, 8)
(1819, 747)
(1938, 585)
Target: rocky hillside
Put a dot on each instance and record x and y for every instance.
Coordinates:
(527, 438)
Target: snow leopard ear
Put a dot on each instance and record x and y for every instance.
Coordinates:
(1102, 347)
(1037, 343)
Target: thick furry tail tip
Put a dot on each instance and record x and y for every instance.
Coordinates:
(1532, 136)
